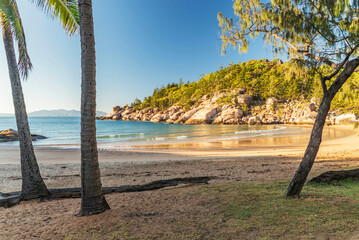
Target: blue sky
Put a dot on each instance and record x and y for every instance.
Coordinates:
(140, 45)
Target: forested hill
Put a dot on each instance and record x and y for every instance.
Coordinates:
(261, 79)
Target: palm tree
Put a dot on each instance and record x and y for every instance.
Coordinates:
(32, 183)
(92, 198)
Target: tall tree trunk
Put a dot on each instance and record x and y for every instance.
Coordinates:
(298, 181)
(93, 200)
(33, 185)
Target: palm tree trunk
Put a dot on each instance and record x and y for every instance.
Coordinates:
(33, 185)
(298, 181)
(93, 200)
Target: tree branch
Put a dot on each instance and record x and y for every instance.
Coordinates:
(344, 75)
(340, 66)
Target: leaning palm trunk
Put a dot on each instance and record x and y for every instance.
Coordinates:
(93, 200)
(297, 183)
(32, 183)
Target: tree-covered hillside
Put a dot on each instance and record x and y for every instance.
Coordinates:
(261, 78)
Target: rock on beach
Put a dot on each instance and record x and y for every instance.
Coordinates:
(11, 135)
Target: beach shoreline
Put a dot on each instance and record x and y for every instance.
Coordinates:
(251, 146)
(262, 159)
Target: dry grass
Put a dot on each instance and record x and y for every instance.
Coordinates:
(242, 211)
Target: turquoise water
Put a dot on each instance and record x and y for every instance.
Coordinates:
(66, 130)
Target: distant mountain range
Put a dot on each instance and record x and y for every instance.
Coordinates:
(6, 115)
(54, 113)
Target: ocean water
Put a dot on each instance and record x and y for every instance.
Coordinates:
(63, 131)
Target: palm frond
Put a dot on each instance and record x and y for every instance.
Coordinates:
(65, 10)
(10, 13)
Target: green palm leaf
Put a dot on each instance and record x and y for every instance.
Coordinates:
(65, 10)
(10, 13)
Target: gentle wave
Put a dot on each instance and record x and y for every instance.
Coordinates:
(123, 135)
(261, 131)
(181, 137)
(65, 131)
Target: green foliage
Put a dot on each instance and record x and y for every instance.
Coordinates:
(261, 78)
(136, 104)
(319, 34)
(65, 10)
(10, 17)
(226, 100)
(321, 31)
(347, 97)
(245, 108)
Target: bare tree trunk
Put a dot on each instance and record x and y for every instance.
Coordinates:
(93, 200)
(33, 185)
(298, 181)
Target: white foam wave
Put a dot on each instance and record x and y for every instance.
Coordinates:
(261, 131)
(181, 137)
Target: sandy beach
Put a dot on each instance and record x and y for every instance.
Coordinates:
(227, 161)
(257, 159)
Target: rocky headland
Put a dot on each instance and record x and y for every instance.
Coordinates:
(245, 110)
(253, 92)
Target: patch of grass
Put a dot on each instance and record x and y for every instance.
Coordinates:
(322, 210)
(257, 211)
(120, 232)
